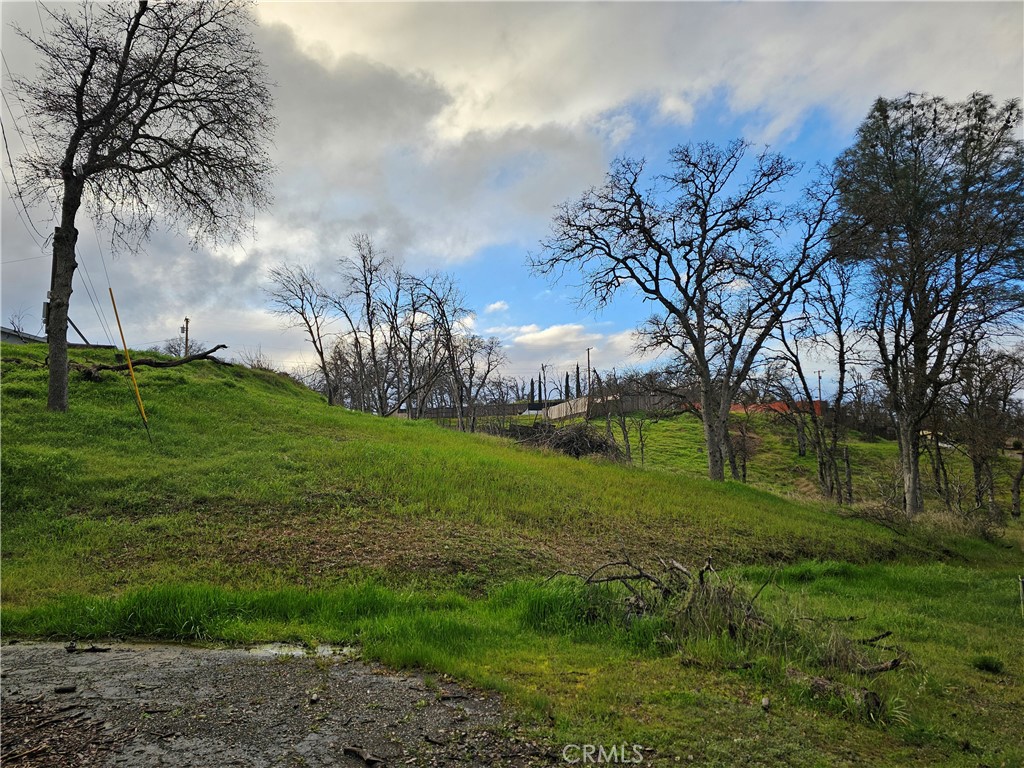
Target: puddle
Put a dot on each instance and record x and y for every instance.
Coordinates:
(290, 649)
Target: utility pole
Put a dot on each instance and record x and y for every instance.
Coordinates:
(819, 384)
(184, 329)
(543, 390)
(587, 417)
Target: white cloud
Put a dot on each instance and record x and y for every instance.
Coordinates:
(555, 337)
(497, 306)
(526, 64)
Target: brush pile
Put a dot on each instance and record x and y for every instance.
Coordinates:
(576, 440)
(700, 608)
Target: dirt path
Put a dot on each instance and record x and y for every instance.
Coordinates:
(169, 705)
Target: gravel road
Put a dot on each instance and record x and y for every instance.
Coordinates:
(171, 705)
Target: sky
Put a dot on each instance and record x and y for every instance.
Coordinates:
(449, 132)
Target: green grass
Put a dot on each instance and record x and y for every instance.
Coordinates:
(257, 514)
(575, 668)
(676, 444)
(250, 480)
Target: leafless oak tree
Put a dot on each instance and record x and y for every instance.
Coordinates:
(296, 294)
(145, 112)
(706, 244)
(826, 326)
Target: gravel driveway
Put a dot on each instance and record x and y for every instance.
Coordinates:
(171, 705)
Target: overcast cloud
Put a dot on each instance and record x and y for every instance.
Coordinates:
(448, 131)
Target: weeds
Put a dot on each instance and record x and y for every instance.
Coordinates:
(991, 664)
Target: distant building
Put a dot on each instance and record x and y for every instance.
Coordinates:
(12, 336)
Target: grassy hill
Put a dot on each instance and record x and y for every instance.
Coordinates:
(257, 513)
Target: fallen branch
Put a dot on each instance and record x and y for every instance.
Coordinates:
(822, 687)
(708, 568)
(27, 752)
(831, 619)
(875, 639)
(886, 666)
(72, 647)
(93, 371)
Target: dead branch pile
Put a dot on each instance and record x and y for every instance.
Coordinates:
(697, 601)
(699, 605)
(574, 440)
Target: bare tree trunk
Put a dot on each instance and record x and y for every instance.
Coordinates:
(978, 468)
(714, 438)
(730, 454)
(937, 463)
(910, 445)
(991, 489)
(64, 239)
(1015, 488)
(801, 436)
(849, 474)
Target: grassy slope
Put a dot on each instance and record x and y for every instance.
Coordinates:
(250, 480)
(252, 488)
(676, 444)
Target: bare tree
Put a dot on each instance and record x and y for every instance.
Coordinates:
(369, 301)
(296, 294)
(145, 112)
(478, 362)
(175, 346)
(707, 244)
(933, 205)
(449, 311)
(984, 413)
(16, 320)
(420, 347)
(828, 323)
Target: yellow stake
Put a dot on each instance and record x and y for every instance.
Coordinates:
(128, 357)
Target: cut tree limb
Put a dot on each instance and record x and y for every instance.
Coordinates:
(876, 638)
(887, 666)
(92, 371)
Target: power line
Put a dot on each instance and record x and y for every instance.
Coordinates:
(90, 288)
(14, 174)
(99, 249)
(48, 186)
(28, 258)
(91, 291)
(21, 218)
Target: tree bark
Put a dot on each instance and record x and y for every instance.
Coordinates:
(978, 468)
(849, 474)
(64, 239)
(714, 437)
(910, 464)
(1015, 490)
